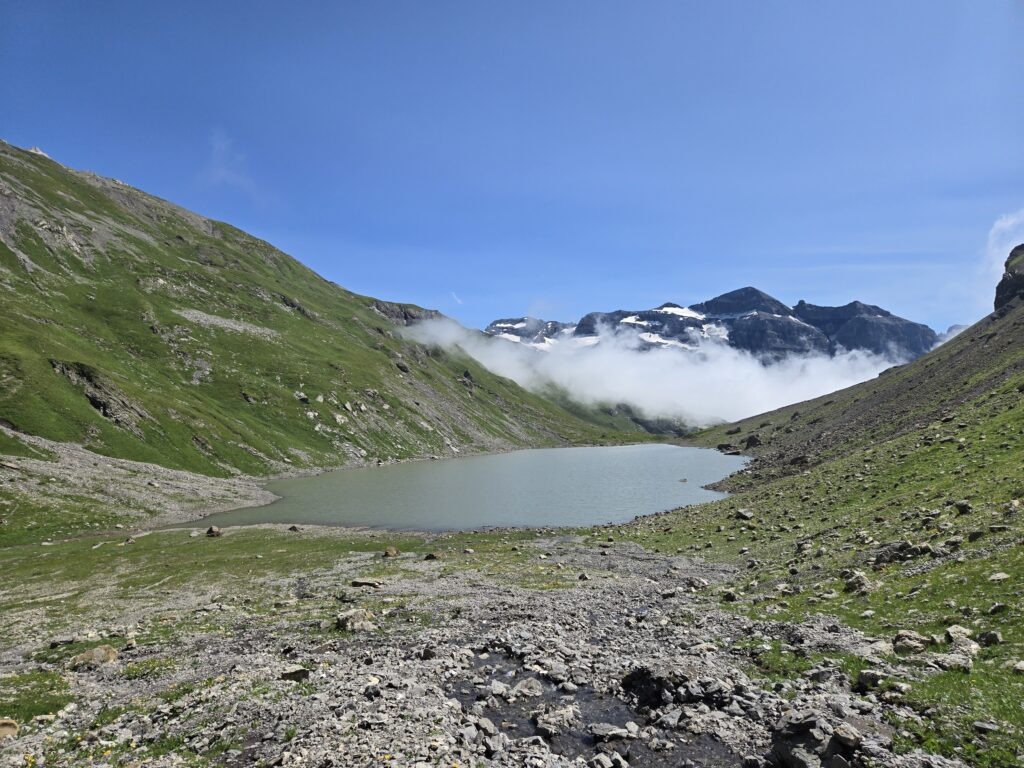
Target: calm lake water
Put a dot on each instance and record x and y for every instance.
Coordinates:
(546, 487)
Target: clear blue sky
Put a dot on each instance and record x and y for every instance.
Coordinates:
(556, 158)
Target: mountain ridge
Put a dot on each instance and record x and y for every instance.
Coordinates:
(146, 331)
(747, 319)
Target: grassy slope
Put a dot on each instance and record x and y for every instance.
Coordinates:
(885, 460)
(94, 274)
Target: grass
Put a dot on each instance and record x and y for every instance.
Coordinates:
(30, 694)
(148, 668)
(200, 397)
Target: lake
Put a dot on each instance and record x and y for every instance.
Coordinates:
(533, 488)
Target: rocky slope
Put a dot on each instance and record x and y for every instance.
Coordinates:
(747, 319)
(895, 507)
(146, 332)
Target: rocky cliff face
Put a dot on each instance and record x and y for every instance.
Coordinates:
(1012, 284)
(747, 319)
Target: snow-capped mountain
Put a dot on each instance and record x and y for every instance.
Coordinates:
(746, 319)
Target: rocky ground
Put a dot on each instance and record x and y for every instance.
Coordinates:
(609, 655)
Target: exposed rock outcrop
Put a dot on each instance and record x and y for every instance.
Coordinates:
(1012, 284)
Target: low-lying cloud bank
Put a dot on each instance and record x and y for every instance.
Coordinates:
(702, 387)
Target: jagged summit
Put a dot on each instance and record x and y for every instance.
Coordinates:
(747, 319)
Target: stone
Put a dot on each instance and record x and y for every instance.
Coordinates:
(847, 735)
(295, 673)
(607, 732)
(494, 744)
(869, 678)
(1018, 668)
(991, 637)
(908, 641)
(391, 552)
(431, 556)
(997, 577)
(956, 632)
(858, 583)
(8, 729)
(372, 583)
(94, 657)
(355, 620)
(794, 756)
(498, 688)
(213, 532)
(530, 687)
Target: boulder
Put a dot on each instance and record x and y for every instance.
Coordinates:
(94, 657)
(355, 620)
(213, 532)
(908, 641)
(608, 732)
(295, 673)
(8, 729)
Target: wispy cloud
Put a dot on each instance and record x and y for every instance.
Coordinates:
(457, 299)
(228, 167)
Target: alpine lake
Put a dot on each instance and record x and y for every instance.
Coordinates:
(554, 487)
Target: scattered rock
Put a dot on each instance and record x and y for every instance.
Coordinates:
(213, 531)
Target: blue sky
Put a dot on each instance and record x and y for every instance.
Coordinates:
(498, 158)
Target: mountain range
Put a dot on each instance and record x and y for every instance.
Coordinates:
(747, 319)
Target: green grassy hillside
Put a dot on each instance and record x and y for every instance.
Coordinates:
(147, 332)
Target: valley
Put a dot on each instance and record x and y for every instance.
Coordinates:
(854, 601)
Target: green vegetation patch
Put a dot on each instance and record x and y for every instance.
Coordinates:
(27, 695)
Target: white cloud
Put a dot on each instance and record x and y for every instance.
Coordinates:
(1005, 234)
(713, 384)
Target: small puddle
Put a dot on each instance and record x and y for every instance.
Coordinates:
(518, 719)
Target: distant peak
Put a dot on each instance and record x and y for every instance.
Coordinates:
(746, 299)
